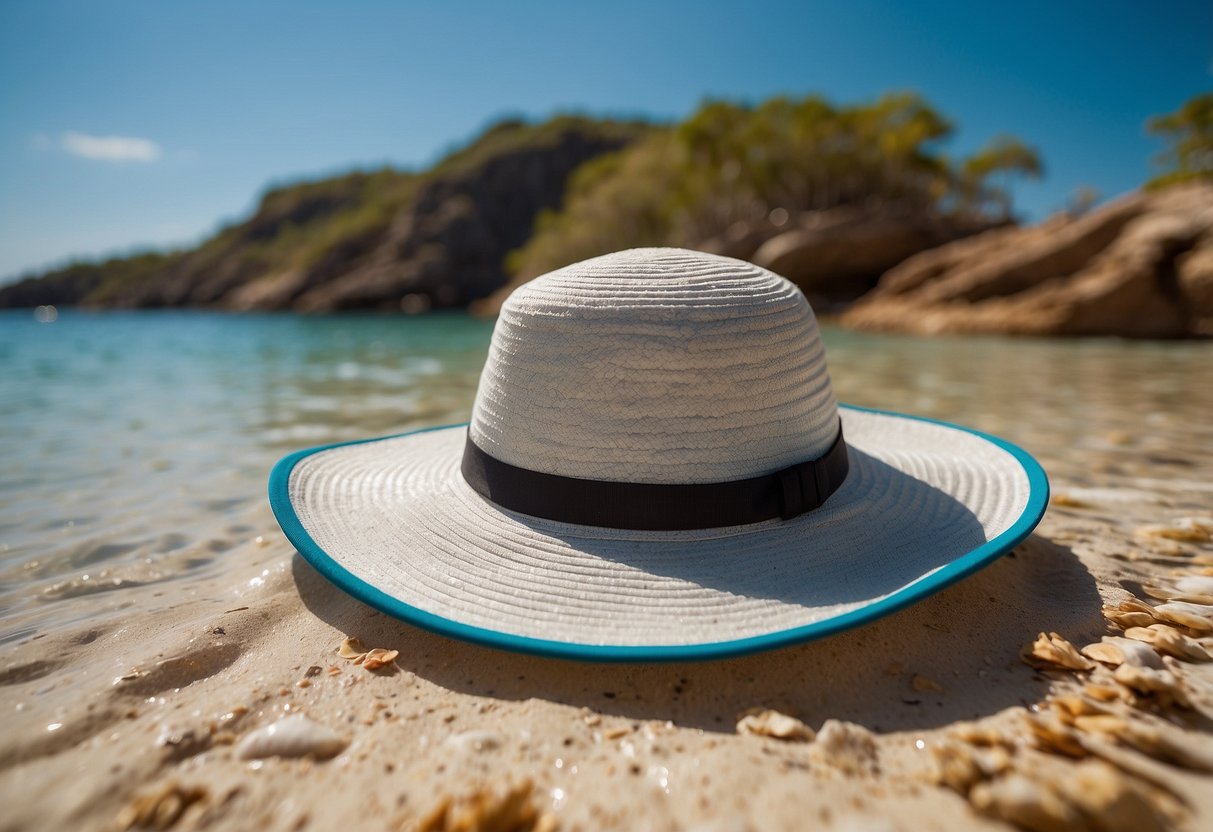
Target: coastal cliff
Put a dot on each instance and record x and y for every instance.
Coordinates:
(385, 240)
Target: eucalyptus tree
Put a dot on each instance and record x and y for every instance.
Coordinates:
(1188, 133)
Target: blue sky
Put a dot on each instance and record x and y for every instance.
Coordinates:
(132, 124)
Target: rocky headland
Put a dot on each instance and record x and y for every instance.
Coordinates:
(382, 240)
(855, 204)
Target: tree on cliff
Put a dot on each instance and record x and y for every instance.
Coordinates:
(1000, 160)
(1189, 133)
(731, 164)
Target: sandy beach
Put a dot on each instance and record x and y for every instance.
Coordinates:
(158, 621)
(137, 718)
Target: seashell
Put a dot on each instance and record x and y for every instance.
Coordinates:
(1135, 605)
(1130, 613)
(1170, 745)
(1196, 589)
(1102, 693)
(378, 657)
(352, 648)
(975, 733)
(1161, 593)
(1068, 501)
(179, 743)
(1115, 651)
(372, 659)
(846, 746)
(1052, 651)
(956, 767)
(1052, 734)
(160, 809)
(1162, 685)
(1126, 619)
(1101, 724)
(435, 820)
(1184, 530)
(1024, 802)
(1102, 651)
(1196, 617)
(475, 740)
(767, 723)
(292, 736)
(1171, 641)
(1070, 706)
(1195, 585)
(1108, 799)
(487, 809)
(959, 766)
(1042, 793)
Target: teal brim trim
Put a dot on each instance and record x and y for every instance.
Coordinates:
(962, 567)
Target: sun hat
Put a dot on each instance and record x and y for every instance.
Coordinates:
(656, 468)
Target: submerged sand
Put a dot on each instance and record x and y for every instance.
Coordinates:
(138, 716)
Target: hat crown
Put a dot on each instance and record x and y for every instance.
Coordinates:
(656, 365)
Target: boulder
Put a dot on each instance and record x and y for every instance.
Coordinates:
(1139, 267)
(836, 255)
(1195, 278)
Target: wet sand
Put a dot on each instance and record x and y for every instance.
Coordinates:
(102, 717)
(168, 625)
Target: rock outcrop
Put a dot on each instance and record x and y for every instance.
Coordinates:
(1140, 267)
(837, 255)
(448, 247)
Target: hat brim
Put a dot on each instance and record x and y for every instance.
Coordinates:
(391, 522)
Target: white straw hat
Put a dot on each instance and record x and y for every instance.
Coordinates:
(656, 469)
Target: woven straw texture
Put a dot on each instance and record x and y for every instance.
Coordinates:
(397, 514)
(659, 366)
(664, 366)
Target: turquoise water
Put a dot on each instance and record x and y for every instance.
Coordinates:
(135, 445)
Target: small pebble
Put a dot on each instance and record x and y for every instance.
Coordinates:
(292, 736)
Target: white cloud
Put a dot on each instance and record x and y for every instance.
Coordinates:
(110, 148)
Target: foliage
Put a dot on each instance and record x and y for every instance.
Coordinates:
(730, 162)
(1004, 157)
(80, 279)
(511, 135)
(1082, 200)
(121, 271)
(1189, 133)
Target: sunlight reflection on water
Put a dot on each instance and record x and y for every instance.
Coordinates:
(136, 445)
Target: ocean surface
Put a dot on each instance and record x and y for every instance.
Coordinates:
(135, 446)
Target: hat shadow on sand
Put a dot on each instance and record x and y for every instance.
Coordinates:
(931, 510)
(965, 639)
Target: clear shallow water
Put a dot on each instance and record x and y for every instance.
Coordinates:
(135, 446)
